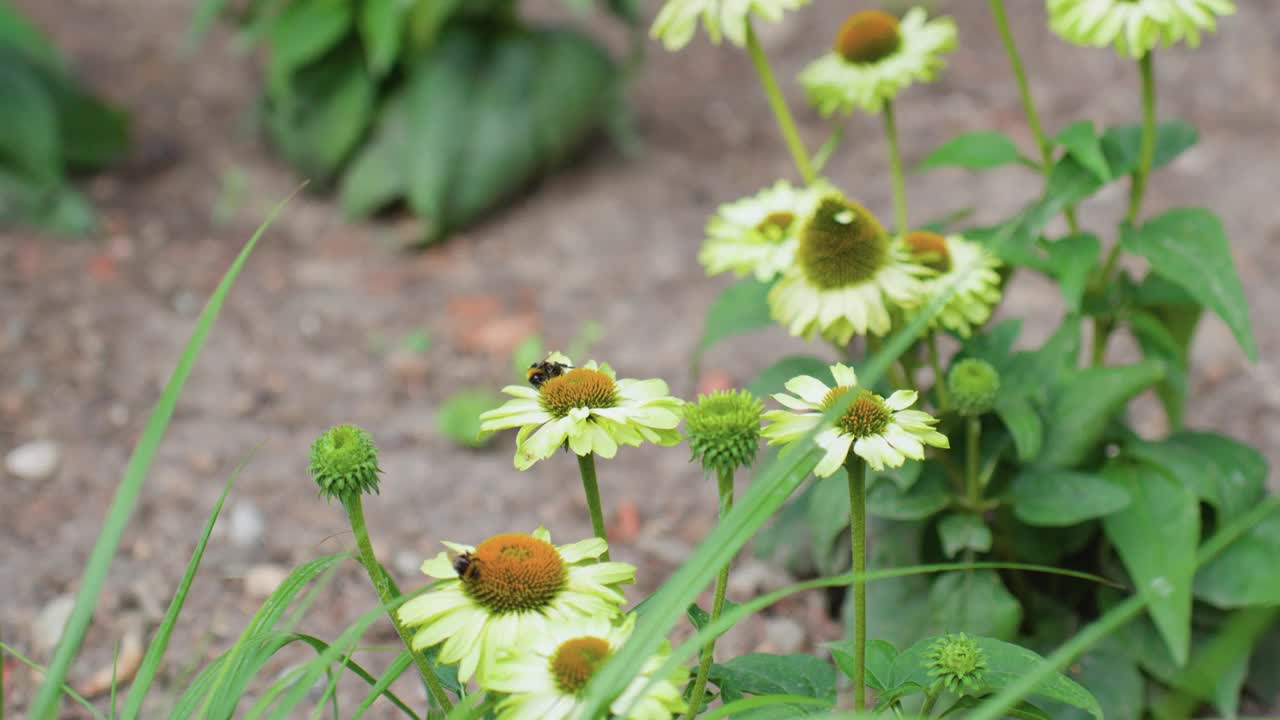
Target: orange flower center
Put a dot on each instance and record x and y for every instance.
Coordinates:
(577, 388)
(929, 249)
(576, 660)
(514, 572)
(868, 36)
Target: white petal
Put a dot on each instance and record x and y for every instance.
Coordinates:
(837, 447)
(844, 375)
(808, 388)
(583, 549)
(901, 400)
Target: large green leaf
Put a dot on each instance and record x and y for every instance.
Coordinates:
(1084, 144)
(1050, 497)
(18, 33)
(376, 177)
(1164, 323)
(973, 150)
(1156, 537)
(489, 111)
(927, 496)
(381, 24)
(1114, 680)
(319, 115)
(29, 144)
(975, 602)
(740, 308)
(1072, 260)
(1079, 408)
(1123, 144)
(1189, 247)
(1244, 575)
(963, 531)
(764, 674)
(897, 608)
(304, 31)
(879, 666)
(1006, 663)
(1024, 424)
(1225, 473)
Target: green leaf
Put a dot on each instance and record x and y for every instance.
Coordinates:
(1122, 145)
(963, 531)
(1189, 247)
(828, 520)
(20, 35)
(1079, 408)
(1026, 374)
(1082, 142)
(772, 379)
(764, 674)
(29, 144)
(1047, 497)
(381, 24)
(126, 494)
(1243, 574)
(1024, 424)
(1072, 259)
(376, 177)
(1227, 474)
(975, 602)
(320, 114)
(897, 608)
(974, 150)
(1114, 680)
(926, 497)
(1006, 663)
(1068, 183)
(740, 308)
(879, 665)
(304, 31)
(458, 417)
(699, 618)
(1156, 537)
(1160, 345)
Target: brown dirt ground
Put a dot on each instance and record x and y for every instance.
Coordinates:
(92, 328)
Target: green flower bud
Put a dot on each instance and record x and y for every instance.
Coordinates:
(344, 460)
(973, 385)
(957, 662)
(723, 429)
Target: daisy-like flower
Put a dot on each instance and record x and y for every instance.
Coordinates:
(846, 274)
(1135, 27)
(678, 19)
(882, 432)
(590, 409)
(970, 266)
(758, 235)
(508, 589)
(874, 58)
(545, 678)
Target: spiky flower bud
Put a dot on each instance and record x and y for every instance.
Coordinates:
(957, 662)
(973, 385)
(723, 429)
(344, 460)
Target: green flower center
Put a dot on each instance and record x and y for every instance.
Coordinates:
(929, 249)
(723, 429)
(514, 572)
(576, 660)
(868, 36)
(577, 388)
(957, 661)
(973, 385)
(775, 225)
(344, 460)
(867, 415)
(842, 244)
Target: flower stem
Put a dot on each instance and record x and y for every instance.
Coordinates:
(973, 437)
(857, 470)
(778, 104)
(895, 166)
(1028, 104)
(930, 697)
(725, 481)
(387, 592)
(939, 380)
(587, 466)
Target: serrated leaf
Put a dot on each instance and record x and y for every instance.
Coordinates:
(304, 31)
(1072, 260)
(1189, 247)
(740, 308)
(1156, 537)
(1122, 145)
(973, 150)
(1083, 142)
(879, 665)
(1047, 497)
(765, 674)
(963, 531)
(1080, 406)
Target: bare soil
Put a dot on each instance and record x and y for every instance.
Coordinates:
(90, 329)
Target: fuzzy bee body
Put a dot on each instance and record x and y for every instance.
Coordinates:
(540, 372)
(466, 567)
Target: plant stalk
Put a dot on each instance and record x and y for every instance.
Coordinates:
(778, 103)
(857, 471)
(930, 697)
(387, 592)
(939, 380)
(973, 437)
(895, 167)
(725, 482)
(587, 467)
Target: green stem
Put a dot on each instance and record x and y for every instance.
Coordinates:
(725, 481)
(778, 104)
(939, 380)
(1028, 103)
(973, 436)
(387, 592)
(930, 697)
(895, 167)
(587, 466)
(857, 469)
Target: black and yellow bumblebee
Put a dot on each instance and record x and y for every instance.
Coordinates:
(466, 566)
(540, 372)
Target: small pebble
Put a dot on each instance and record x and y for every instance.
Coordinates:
(246, 524)
(262, 580)
(47, 628)
(35, 460)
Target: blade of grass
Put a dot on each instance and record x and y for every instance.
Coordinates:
(393, 672)
(1112, 620)
(65, 688)
(115, 667)
(667, 606)
(44, 706)
(160, 643)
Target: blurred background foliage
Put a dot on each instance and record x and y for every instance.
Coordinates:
(447, 106)
(52, 127)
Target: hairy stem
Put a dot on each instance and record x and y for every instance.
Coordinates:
(856, 469)
(782, 113)
(387, 592)
(725, 481)
(895, 167)
(587, 466)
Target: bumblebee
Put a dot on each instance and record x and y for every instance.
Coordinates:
(540, 372)
(466, 566)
